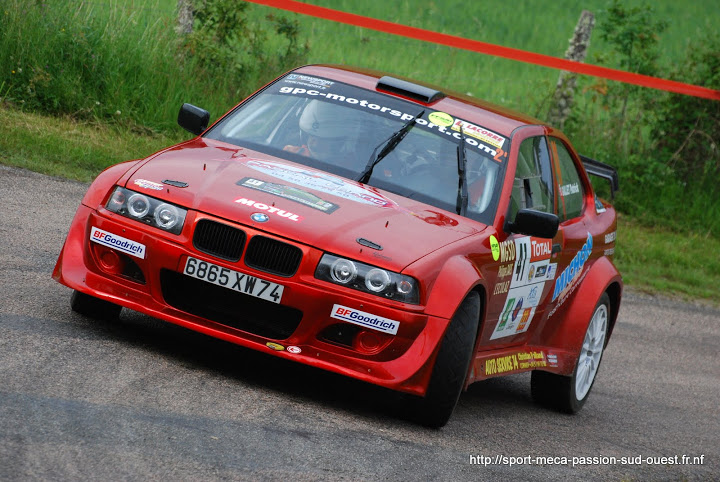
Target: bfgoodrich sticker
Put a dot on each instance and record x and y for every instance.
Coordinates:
(117, 242)
(368, 320)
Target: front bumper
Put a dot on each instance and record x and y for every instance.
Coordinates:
(401, 362)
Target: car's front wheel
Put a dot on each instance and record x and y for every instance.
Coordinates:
(93, 307)
(451, 366)
(569, 393)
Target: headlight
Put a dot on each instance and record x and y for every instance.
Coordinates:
(146, 209)
(343, 271)
(370, 279)
(167, 216)
(377, 280)
(138, 206)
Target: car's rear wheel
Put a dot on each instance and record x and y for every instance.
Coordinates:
(93, 307)
(569, 393)
(451, 366)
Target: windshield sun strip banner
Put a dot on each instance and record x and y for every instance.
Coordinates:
(477, 137)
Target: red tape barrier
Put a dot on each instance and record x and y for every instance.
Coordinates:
(490, 49)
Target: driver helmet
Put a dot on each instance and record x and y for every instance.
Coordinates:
(328, 128)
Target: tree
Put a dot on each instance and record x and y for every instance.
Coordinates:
(565, 90)
(632, 34)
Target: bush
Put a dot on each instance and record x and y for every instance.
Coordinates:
(665, 146)
(109, 62)
(688, 128)
(224, 43)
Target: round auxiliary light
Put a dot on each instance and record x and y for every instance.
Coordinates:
(343, 271)
(377, 280)
(117, 200)
(138, 206)
(404, 287)
(110, 260)
(166, 216)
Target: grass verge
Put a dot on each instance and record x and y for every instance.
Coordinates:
(68, 148)
(657, 260)
(652, 260)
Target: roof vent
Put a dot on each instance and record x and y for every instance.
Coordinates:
(410, 90)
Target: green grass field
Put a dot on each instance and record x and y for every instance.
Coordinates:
(537, 26)
(109, 74)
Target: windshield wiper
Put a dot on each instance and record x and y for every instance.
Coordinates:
(462, 198)
(390, 144)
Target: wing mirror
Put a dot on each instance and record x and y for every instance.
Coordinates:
(534, 223)
(193, 119)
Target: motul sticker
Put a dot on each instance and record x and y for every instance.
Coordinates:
(271, 209)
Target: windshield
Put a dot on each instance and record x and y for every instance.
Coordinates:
(340, 128)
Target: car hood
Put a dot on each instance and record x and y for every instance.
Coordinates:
(297, 202)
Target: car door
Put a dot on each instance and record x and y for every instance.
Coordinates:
(523, 266)
(576, 242)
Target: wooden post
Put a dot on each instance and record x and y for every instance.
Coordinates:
(565, 90)
(185, 17)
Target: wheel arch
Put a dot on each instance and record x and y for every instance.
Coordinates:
(458, 278)
(602, 277)
(614, 291)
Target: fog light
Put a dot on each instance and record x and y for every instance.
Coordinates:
(108, 259)
(370, 342)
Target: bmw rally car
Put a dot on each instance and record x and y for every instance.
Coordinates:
(384, 230)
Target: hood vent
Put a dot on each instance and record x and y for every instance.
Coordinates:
(369, 244)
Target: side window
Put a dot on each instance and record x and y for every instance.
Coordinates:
(533, 185)
(571, 195)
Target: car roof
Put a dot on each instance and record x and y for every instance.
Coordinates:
(500, 119)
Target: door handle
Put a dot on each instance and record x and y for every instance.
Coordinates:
(556, 248)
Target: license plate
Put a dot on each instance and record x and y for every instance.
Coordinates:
(234, 280)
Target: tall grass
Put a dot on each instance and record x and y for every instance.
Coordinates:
(70, 58)
(110, 61)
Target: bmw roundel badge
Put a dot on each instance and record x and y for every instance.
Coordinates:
(259, 217)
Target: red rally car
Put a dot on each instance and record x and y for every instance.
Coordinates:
(385, 230)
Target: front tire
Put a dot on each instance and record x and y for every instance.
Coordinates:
(569, 393)
(451, 366)
(93, 307)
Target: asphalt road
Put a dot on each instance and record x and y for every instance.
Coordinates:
(140, 399)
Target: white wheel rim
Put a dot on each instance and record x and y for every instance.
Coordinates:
(591, 352)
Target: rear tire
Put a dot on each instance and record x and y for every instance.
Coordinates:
(94, 307)
(451, 367)
(569, 393)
